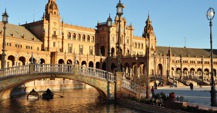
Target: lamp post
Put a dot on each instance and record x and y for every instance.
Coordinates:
(109, 25)
(147, 70)
(210, 15)
(119, 13)
(5, 21)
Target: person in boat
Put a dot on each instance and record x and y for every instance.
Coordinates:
(47, 94)
(48, 91)
(33, 93)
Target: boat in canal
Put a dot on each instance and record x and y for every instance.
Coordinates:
(33, 95)
(47, 94)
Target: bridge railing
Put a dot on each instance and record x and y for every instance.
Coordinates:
(57, 69)
(17, 70)
(132, 86)
(53, 68)
(89, 71)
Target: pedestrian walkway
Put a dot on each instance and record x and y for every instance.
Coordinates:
(148, 108)
(199, 96)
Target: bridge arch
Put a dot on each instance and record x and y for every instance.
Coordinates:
(6, 93)
(15, 76)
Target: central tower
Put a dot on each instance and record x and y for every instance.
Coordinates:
(53, 33)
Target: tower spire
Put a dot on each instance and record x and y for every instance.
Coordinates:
(148, 28)
(51, 9)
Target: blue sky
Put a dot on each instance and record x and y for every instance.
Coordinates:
(176, 22)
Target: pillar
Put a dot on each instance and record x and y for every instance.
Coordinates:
(118, 84)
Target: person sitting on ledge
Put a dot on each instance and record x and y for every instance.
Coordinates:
(172, 96)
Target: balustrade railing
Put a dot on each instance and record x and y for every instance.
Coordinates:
(89, 71)
(17, 70)
(53, 68)
(132, 86)
(57, 69)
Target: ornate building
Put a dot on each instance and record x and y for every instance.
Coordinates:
(52, 41)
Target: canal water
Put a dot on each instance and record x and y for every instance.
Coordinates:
(65, 101)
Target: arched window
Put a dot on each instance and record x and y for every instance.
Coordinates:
(83, 38)
(79, 37)
(88, 38)
(102, 51)
(69, 35)
(135, 45)
(93, 39)
(74, 36)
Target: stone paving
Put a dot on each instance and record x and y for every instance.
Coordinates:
(199, 96)
(148, 108)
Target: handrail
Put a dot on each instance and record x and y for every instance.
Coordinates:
(83, 70)
(71, 70)
(132, 86)
(12, 71)
(55, 69)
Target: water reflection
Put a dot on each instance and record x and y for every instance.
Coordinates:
(65, 101)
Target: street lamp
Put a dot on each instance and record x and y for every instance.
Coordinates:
(5, 21)
(210, 15)
(109, 25)
(147, 70)
(119, 13)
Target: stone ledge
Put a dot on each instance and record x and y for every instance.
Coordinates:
(148, 108)
(175, 104)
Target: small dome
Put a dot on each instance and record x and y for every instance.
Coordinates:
(51, 5)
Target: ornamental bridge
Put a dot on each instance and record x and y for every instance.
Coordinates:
(110, 86)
